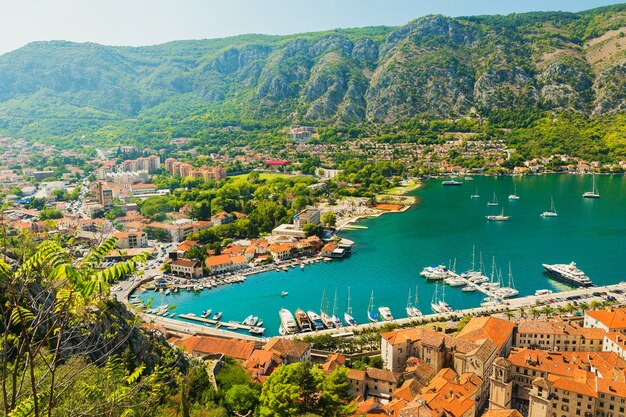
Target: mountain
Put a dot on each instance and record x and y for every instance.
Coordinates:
(434, 67)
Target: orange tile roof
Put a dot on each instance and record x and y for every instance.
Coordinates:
(566, 364)
(217, 260)
(236, 348)
(612, 318)
(287, 347)
(479, 328)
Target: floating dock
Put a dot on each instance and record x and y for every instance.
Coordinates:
(217, 323)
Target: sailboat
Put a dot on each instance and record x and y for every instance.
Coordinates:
(493, 202)
(475, 195)
(440, 305)
(326, 319)
(371, 314)
(347, 316)
(510, 290)
(594, 191)
(336, 320)
(416, 311)
(552, 212)
(514, 196)
(498, 217)
(409, 305)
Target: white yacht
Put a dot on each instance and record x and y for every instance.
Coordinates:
(385, 313)
(514, 196)
(552, 212)
(316, 320)
(493, 202)
(288, 323)
(569, 274)
(440, 305)
(594, 191)
(498, 217)
(435, 272)
(455, 281)
(543, 292)
(347, 315)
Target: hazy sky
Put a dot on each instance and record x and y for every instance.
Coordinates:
(144, 22)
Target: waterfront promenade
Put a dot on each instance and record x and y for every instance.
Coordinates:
(512, 304)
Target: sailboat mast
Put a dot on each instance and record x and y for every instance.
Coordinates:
(323, 302)
(409, 300)
(473, 257)
(415, 303)
(493, 267)
(511, 282)
(348, 308)
(335, 304)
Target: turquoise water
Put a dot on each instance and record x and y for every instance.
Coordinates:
(444, 225)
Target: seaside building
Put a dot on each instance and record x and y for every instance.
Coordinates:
(556, 334)
(190, 268)
(611, 319)
(307, 216)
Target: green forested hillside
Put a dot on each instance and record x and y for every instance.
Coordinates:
(504, 71)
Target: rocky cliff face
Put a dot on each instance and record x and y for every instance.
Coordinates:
(434, 66)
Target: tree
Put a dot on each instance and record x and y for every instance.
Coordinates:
(522, 312)
(595, 304)
(290, 390)
(50, 213)
(547, 311)
(311, 229)
(509, 314)
(336, 398)
(47, 302)
(534, 313)
(242, 399)
(329, 219)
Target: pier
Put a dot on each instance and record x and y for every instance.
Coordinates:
(217, 323)
(478, 287)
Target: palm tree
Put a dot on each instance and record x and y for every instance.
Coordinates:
(547, 311)
(583, 306)
(560, 309)
(595, 304)
(569, 308)
(534, 313)
(522, 312)
(509, 314)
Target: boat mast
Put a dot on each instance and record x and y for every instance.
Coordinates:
(415, 303)
(481, 263)
(408, 301)
(323, 302)
(348, 308)
(493, 268)
(435, 299)
(371, 304)
(335, 304)
(511, 282)
(473, 257)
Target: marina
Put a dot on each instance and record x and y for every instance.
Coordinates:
(389, 255)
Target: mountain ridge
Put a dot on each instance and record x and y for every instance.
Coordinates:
(434, 67)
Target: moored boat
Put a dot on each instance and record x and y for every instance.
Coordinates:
(385, 313)
(303, 321)
(569, 274)
(316, 320)
(451, 183)
(217, 316)
(288, 323)
(371, 314)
